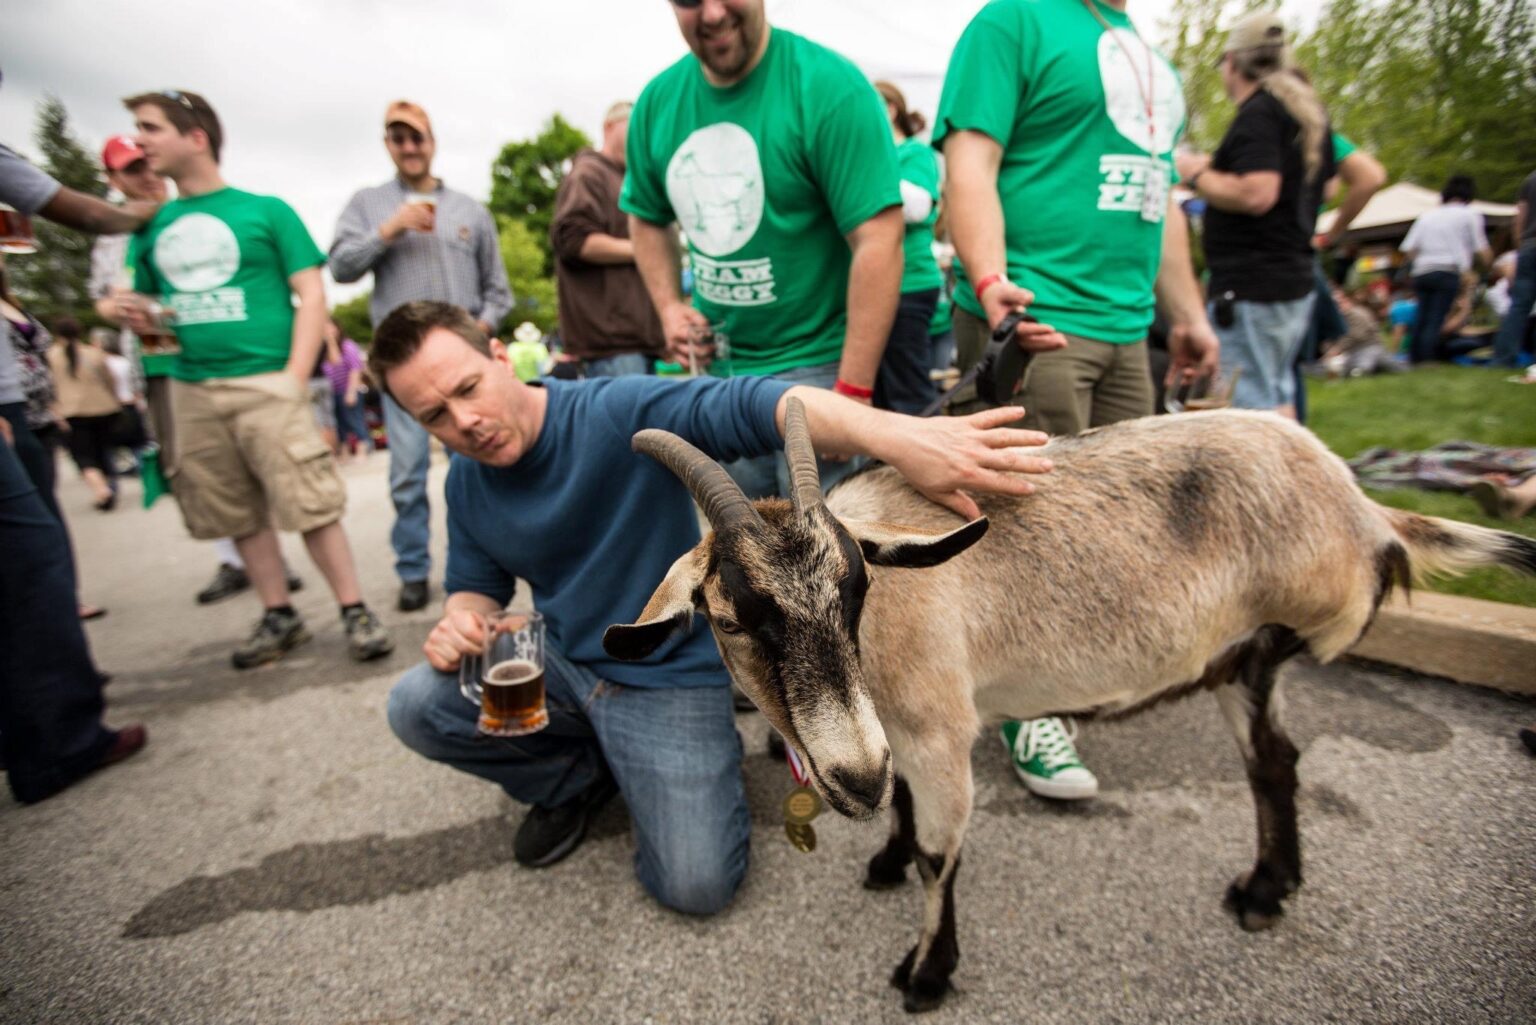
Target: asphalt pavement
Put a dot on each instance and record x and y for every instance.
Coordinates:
(275, 855)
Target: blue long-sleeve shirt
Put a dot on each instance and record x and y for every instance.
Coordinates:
(592, 525)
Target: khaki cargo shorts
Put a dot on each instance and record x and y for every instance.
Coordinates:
(251, 456)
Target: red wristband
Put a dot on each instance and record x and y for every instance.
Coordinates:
(853, 391)
(986, 283)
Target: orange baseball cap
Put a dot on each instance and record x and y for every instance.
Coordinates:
(404, 112)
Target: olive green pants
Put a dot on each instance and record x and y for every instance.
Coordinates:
(1066, 391)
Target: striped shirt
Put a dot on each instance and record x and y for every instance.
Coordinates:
(459, 262)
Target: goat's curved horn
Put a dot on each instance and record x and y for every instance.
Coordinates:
(725, 506)
(804, 479)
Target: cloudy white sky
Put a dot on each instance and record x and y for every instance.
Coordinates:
(301, 85)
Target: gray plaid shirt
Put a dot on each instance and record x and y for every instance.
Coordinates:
(460, 262)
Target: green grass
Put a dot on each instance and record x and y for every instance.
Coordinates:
(1423, 408)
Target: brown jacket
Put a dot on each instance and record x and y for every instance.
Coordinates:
(90, 390)
(604, 308)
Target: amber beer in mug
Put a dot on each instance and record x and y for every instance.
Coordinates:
(16, 231)
(507, 678)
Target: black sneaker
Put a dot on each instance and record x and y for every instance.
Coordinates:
(413, 595)
(549, 834)
(366, 636)
(227, 581)
(273, 637)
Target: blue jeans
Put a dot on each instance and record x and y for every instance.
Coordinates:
(674, 752)
(410, 457)
(617, 366)
(1437, 294)
(768, 476)
(903, 383)
(352, 421)
(50, 691)
(1522, 296)
(1262, 341)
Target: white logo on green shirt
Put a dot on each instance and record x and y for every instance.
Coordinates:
(1123, 184)
(715, 183)
(197, 253)
(1123, 69)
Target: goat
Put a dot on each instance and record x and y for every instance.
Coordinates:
(1162, 556)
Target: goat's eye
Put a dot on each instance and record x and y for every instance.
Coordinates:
(727, 626)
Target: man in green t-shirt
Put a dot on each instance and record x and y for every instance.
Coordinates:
(773, 156)
(227, 266)
(1057, 123)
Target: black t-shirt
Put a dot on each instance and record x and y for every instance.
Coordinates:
(1267, 258)
(1528, 197)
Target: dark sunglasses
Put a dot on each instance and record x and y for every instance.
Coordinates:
(401, 136)
(177, 96)
(688, 5)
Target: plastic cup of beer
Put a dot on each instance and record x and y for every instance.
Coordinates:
(507, 678)
(426, 199)
(1210, 392)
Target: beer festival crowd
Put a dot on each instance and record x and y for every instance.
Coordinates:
(762, 221)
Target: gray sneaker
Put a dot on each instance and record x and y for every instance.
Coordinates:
(366, 636)
(273, 636)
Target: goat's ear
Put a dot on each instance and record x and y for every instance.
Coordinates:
(886, 544)
(669, 610)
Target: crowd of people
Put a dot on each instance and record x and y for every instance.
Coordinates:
(828, 257)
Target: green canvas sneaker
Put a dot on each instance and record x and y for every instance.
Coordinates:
(1046, 761)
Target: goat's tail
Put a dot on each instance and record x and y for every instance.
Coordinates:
(1439, 547)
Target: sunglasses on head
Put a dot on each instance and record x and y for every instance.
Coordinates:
(177, 96)
(401, 136)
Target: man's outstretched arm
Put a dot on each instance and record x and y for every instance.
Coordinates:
(943, 457)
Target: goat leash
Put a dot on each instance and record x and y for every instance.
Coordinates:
(801, 806)
(999, 374)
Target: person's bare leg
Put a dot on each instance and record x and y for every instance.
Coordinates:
(333, 555)
(97, 481)
(264, 565)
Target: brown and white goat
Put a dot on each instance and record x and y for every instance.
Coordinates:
(1163, 555)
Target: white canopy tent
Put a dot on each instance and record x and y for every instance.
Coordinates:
(1393, 210)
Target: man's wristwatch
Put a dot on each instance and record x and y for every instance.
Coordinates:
(1194, 180)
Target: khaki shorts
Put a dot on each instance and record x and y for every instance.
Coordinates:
(250, 456)
(1066, 391)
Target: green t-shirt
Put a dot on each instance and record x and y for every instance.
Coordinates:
(222, 261)
(1342, 148)
(1068, 101)
(920, 271)
(943, 318)
(765, 178)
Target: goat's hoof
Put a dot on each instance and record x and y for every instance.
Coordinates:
(925, 994)
(901, 978)
(1255, 910)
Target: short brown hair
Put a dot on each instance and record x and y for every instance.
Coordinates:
(185, 111)
(399, 335)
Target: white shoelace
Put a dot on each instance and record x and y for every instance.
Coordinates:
(1047, 738)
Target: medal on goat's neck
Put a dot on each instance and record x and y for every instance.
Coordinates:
(801, 806)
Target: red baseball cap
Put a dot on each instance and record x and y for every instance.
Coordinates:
(119, 152)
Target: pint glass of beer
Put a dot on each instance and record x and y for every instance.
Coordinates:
(507, 679)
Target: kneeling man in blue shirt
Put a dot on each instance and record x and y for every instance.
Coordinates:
(544, 487)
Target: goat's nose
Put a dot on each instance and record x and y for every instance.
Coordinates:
(865, 787)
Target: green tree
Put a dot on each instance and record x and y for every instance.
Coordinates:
(353, 317)
(52, 281)
(525, 175)
(533, 290)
